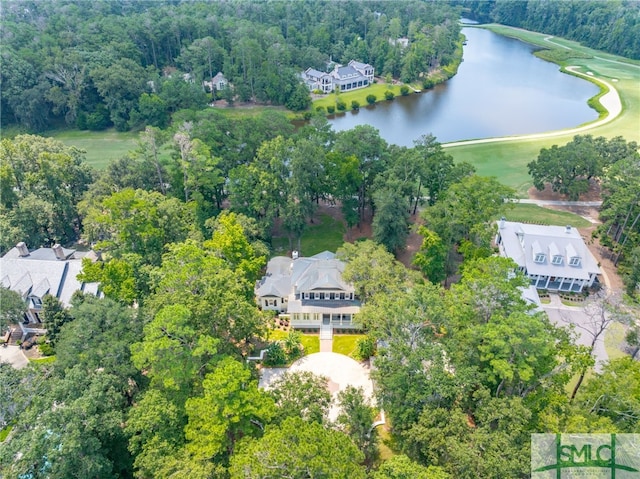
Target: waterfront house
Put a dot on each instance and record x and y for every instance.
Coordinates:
(349, 77)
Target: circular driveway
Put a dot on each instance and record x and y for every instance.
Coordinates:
(14, 356)
(340, 370)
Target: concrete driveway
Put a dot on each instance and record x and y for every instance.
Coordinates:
(14, 356)
(340, 370)
(561, 315)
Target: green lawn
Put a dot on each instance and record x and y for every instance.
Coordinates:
(45, 360)
(311, 342)
(5, 432)
(507, 160)
(101, 146)
(346, 343)
(386, 444)
(613, 341)
(525, 213)
(377, 89)
(325, 235)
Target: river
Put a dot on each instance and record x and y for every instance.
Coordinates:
(500, 89)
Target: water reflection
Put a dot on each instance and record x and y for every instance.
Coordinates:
(501, 89)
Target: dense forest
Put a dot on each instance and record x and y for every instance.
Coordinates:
(123, 63)
(153, 381)
(610, 26)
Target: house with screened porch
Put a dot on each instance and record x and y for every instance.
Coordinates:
(554, 258)
(309, 292)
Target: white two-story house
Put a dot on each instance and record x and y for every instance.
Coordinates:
(554, 258)
(349, 77)
(310, 292)
(34, 274)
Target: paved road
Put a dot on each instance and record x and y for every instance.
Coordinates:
(562, 315)
(595, 204)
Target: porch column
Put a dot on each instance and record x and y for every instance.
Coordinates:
(546, 285)
(561, 282)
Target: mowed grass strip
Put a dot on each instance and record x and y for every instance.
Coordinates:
(526, 213)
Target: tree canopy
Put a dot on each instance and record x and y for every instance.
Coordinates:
(127, 64)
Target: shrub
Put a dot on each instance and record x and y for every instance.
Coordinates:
(331, 109)
(371, 99)
(404, 90)
(275, 355)
(320, 109)
(341, 105)
(46, 349)
(389, 95)
(98, 120)
(365, 348)
(355, 105)
(427, 83)
(293, 344)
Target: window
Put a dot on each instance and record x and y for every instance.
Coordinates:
(341, 295)
(557, 259)
(539, 258)
(306, 295)
(316, 295)
(574, 261)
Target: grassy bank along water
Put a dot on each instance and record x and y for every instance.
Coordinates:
(380, 88)
(507, 160)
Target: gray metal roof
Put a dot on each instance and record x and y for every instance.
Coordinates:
(522, 242)
(345, 72)
(41, 272)
(359, 65)
(285, 276)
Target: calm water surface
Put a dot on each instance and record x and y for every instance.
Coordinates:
(500, 89)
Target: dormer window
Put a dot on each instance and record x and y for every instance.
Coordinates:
(574, 261)
(539, 258)
(557, 259)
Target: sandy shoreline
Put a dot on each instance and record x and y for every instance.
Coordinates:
(610, 102)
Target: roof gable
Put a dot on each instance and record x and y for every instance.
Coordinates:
(523, 242)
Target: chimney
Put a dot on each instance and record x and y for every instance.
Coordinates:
(568, 229)
(295, 254)
(22, 249)
(501, 225)
(57, 249)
